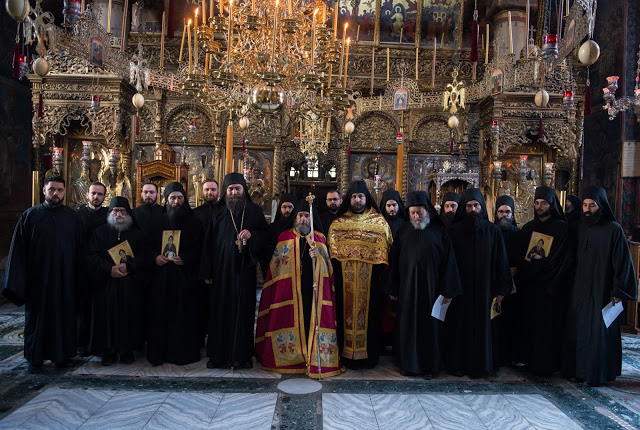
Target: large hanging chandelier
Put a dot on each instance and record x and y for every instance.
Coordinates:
(267, 57)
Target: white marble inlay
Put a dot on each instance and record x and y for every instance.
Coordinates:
(348, 411)
(127, 410)
(449, 411)
(32, 407)
(496, 412)
(244, 411)
(185, 411)
(399, 411)
(540, 412)
(299, 386)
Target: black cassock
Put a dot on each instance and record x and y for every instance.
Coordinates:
(41, 274)
(543, 287)
(423, 266)
(117, 316)
(232, 296)
(204, 212)
(484, 272)
(90, 220)
(174, 328)
(603, 269)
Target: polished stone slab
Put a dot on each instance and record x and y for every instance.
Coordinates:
(243, 411)
(348, 411)
(299, 386)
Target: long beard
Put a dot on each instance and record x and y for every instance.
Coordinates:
(471, 221)
(235, 204)
(303, 229)
(176, 214)
(591, 219)
(447, 218)
(120, 224)
(421, 225)
(505, 224)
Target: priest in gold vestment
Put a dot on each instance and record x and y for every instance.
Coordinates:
(359, 240)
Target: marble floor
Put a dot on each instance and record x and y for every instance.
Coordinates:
(139, 396)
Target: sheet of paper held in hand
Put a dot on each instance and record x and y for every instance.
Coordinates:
(611, 312)
(439, 310)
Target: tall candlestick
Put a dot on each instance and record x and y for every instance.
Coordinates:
(387, 64)
(373, 66)
(184, 32)
(204, 12)
(433, 67)
(109, 17)
(346, 64)
(417, 49)
(358, 33)
(162, 41)
(335, 21)
(510, 35)
(195, 39)
(189, 45)
(486, 52)
(123, 30)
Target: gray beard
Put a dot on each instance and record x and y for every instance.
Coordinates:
(303, 229)
(120, 226)
(421, 225)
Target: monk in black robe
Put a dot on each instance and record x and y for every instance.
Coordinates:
(210, 193)
(118, 287)
(174, 326)
(41, 274)
(148, 216)
(359, 240)
(484, 272)
(280, 223)
(604, 274)
(450, 203)
(333, 201)
(543, 283)
(91, 215)
(509, 324)
(423, 267)
(393, 210)
(233, 247)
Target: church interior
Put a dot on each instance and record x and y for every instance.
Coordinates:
(307, 96)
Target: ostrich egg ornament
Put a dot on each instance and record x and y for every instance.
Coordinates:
(349, 127)
(589, 52)
(542, 98)
(138, 100)
(453, 121)
(18, 9)
(41, 67)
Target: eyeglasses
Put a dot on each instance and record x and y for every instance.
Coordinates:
(504, 212)
(119, 211)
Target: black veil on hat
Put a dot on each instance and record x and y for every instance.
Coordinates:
(575, 201)
(120, 202)
(468, 195)
(421, 198)
(550, 195)
(505, 200)
(357, 187)
(286, 197)
(233, 179)
(303, 206)
(449, 196)
(599, 195)
(176, 186)
(393, 195)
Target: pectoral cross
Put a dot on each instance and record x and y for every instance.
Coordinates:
(241, 244)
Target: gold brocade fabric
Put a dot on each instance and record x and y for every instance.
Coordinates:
(358, 241)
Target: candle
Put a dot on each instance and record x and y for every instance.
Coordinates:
(324, 13)
(373, 65)
(253, 6)
(189, 43)
(486, 52)
(567, 8)
(231, 32)
(204, 12)
(433, 67)
(387, 64)
(195, 39)
(162, 41)
(82, 7)
(210, 8)
(335, 21)
(109, 17)
(313, 39)
(510, 35)
(346, 64)
(358, 33)
(290, 8)
(184, 32)
(417, 49)
(401, 31)
(344, 34)
(123, 38)
(380, 102)
(526, 34)
(221, 8)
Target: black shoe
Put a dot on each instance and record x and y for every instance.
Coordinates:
(458, 373)
(247, 364)
(428, 376)
(127, 358)
(34, 369)
(408, 373)
(155, 363)
(216, 364)
(64, 364)
(108, 359)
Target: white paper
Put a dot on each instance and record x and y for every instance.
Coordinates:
(611, 312)
(439, 310)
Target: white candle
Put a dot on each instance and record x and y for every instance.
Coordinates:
(109, 17)
(346, 64)
(433, 68)
(204, 12)
(510, 35)
(387, 64)
(486, 52)
(195, 39)
(417, 49)
(526, 34)
(184, 32)
(189, 45)
(82, 7)
(373, 65)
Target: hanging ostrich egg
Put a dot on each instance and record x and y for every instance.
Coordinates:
(244, 123)
(542, 98)
(138, 100)
(453, 121)
(349, 127)
(41, 67)
(589, 52)
(18, 9)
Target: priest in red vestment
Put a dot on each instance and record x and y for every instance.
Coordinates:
(296, 332)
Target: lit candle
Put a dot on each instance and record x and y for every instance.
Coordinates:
(510, 35)
(486, 52)
(433, 67)
(184, 32)
(346, 64)
(358, 33)
(387, 64)
(417, 49)
(109, 17)
(162, 41)
(195, 39)
(189, 44)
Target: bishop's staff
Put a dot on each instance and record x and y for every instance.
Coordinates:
(310, 199)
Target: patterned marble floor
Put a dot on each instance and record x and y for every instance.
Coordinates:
(61, 409)
(442, 411)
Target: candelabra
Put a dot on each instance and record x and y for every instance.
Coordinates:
(548, 174)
